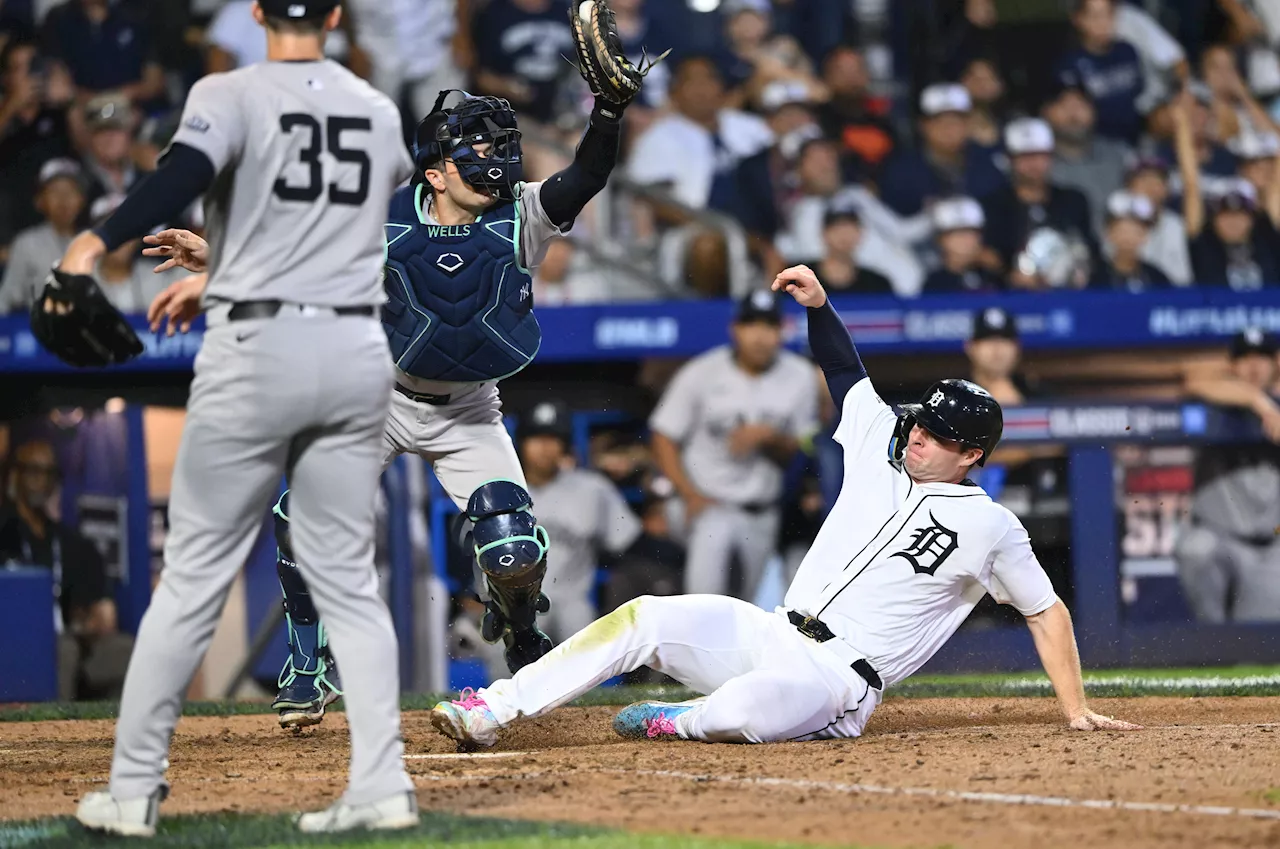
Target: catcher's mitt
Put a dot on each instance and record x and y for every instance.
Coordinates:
(611, 76)
(76, 323)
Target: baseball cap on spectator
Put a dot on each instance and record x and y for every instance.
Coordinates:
(61, 169)
(780, 93)
(841, 209)
(994, 323)
(1253, 145)
(793, 143)
(549, 418)
(1028, 135)
(109, 110)
(1068, 82)
(1146, 162)
(1233, 194)
(760, 305)
(1124, 204)
(957, 213)
(297, 9)
(1253, 340)
(941, 98)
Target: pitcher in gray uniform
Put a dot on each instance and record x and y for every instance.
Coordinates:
(1229, 555)
(723, 431)
(297, 159)
(583, 512)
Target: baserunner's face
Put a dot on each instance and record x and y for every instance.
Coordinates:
(930, 458)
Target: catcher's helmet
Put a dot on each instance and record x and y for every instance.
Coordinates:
(455, 132)
(958, 410)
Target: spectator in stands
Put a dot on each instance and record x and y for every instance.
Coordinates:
(1109, 69)
(33, 130)
(982, 79)
(949, 162)
(60, 199)
(633, 30)
(1164, 62)
(110, 121)
(1166, 246)
(699, 140)
(1128, 226)
(994, 353)
(838, 269)
(1230, 244)
(958, 223)
(857, 119)
(758, 55)
(416, 49)
(1032, 202)
(1082, 159)
(1228, 555)
(127, 279)
(1255, 154)
(92, 654)
(582, 511)
(519, 46)
(1234, 110)
(725, 428)
(107, 46)
(1212, 158)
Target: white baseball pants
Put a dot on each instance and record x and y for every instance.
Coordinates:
(765, 681)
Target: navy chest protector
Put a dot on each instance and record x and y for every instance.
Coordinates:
(459, 306)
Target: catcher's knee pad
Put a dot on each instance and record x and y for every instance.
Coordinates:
(510, 547)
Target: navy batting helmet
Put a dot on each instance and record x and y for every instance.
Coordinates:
(454, 134)
(958, 410)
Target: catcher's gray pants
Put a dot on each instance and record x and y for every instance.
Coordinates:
(299, 394)
(716, 534)
(1227, 579)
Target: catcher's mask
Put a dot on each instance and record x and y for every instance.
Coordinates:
(957, 410)
(454, 134)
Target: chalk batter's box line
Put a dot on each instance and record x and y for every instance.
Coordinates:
(1019, 799)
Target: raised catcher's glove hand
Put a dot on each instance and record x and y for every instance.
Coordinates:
(76, 323)
(613, 79)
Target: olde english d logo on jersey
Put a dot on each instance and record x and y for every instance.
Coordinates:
(930, 547)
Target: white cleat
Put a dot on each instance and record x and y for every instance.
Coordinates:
(100, 811)
(467, 720)
(394, 812)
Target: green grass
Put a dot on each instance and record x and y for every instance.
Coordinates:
(219, 831)
(1224, 681)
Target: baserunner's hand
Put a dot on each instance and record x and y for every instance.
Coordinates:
(1090, 721)
(801, 283)
(181, 248)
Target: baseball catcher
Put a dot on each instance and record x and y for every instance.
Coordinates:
(462, 240)
(76, 323)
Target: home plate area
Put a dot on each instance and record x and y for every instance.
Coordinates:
(974, 772)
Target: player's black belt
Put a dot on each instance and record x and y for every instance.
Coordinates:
(423, 397)
(244, 310)
(817, 630)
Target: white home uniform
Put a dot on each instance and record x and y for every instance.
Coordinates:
(894, 571)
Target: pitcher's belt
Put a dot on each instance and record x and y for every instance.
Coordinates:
(817, 630)
(243, 310)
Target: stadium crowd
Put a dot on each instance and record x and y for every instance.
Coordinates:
(904, 148)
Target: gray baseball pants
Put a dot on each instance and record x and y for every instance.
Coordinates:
(306, 396)
(1227, 579)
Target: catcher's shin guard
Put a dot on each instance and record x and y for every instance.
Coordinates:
(309, 680)
(510, 548)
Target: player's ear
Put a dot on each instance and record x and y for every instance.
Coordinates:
(435, 178)
(973, 455)
(258, 16)
(333, 19)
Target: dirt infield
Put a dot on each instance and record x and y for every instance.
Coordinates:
(967, 773)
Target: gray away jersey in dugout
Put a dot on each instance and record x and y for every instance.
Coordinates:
(307, 157)
(584, 515)
(711, 396)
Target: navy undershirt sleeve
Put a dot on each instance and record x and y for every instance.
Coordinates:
(834, 352)
(183, 176)
(566, 193)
